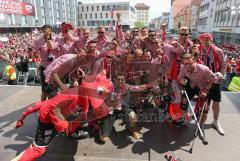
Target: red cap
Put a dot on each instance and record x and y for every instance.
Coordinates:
(66, 27)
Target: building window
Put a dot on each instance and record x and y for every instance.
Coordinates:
(85, 16)
(106, 15)
(63, 16)
(95, 15)
(44, 20)
(83, 23)
(42, 3)
(101, 15)
(87, 8)
(48, 3)
(97, 8)
(81, 16)
(57, 5)
(58, 13)
(79, 24)
(43, 11)
(92, 9)
(90, 15)
(82, 9)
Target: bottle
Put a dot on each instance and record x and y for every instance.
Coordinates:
(171, 158)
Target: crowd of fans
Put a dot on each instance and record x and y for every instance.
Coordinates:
(63, 59)
(19, 48)
(131, 60)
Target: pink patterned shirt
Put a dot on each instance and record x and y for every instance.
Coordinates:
(62, 66)
(40, 45)
(66, 47)
(200, 76)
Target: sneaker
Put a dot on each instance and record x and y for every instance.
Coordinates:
(204, 140)
(216, 125)
(135, 135)
(103, 139)
(80, 135)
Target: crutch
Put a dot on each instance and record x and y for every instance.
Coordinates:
(196, 121)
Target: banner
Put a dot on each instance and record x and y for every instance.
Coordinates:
(16, 7)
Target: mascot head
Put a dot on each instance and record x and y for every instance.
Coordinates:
(93, 91)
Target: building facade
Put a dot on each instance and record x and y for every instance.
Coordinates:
(142, 13)
(183, 17)
(226, 23)
(51, 12)
(195, 7)
(206, 16)
(171, 17)
(92, 15)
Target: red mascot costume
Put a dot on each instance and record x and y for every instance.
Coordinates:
(54, 113)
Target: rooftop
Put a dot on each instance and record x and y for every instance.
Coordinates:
(142, 6)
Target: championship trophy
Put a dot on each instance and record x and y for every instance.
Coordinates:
(119, 16)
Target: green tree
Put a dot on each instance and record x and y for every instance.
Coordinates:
(139, 24)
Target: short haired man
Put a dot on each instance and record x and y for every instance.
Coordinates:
(201, 82)
(47, 48)
(184, 40)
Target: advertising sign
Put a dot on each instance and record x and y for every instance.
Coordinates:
(16, 7)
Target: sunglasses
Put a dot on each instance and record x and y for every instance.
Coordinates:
(151, 35)
(109, 57)
(182, 34)
(100, 32)
(187, 64)
(92, 46)
(155, 42)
